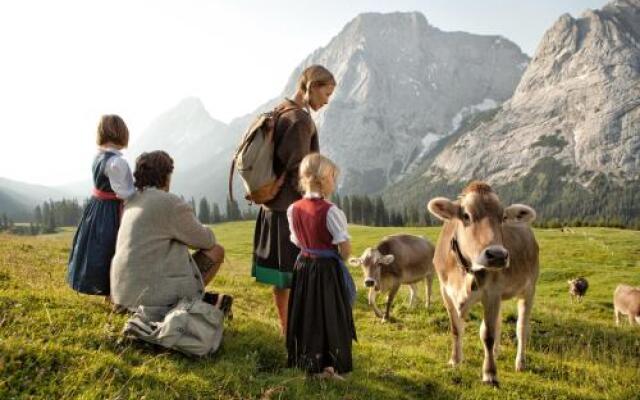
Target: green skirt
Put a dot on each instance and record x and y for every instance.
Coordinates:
(273, 253)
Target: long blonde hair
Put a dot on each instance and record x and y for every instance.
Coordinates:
(314, 76)
(315, 172)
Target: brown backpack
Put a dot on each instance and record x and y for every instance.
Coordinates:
(254, 158)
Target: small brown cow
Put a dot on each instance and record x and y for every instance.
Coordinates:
(397, 259)
(485, 253)
(626, 301)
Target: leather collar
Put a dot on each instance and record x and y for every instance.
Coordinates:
(462, 261)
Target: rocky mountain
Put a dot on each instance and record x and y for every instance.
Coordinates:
(198, 144)
(571, 129)
(402, 85)
(187, 132)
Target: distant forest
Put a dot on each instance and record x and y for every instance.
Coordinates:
(549, 189)
(557, 203)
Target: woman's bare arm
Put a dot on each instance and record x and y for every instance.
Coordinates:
(344, 249)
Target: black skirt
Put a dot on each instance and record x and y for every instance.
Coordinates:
(320, 327)
(273, 253)
(93, 247)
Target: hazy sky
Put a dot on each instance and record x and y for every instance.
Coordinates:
(64, 63)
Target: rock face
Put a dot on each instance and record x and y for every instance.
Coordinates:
(199, 145)
(403, 84)
(187, 132)
(578, 103)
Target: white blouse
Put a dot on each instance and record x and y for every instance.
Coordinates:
(119, 174)
(336, 222)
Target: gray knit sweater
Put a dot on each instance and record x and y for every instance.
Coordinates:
(152, 265)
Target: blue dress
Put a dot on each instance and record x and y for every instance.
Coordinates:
(95, 240)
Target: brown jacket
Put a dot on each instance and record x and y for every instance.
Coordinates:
(295, 137)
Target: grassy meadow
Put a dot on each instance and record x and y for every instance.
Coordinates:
(57, 344)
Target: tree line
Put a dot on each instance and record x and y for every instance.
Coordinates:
(577, 208)
(359, 209)
(46, 218)
(211, 213)
(372, 211)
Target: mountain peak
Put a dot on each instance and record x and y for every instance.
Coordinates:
(577, 104)
(595, 43)
(190, 103)
(373, 19)
(401, 85)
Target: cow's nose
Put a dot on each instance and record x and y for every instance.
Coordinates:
(369, 282)
(496, 254)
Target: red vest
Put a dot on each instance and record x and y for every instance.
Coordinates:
(309, 219)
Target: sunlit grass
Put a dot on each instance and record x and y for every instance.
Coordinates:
(55, 343)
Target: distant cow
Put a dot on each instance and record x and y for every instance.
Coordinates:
(396, 260)
(578, 287)
(626, 301)
(485, 253)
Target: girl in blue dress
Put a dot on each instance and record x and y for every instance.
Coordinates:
(95, 240)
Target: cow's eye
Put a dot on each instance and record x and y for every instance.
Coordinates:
(466, 218)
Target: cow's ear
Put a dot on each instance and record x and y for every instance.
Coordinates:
(388, 259)
(443, 208)
(355, 261)
(519, 213)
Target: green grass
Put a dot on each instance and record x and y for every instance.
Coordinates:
(55, 343)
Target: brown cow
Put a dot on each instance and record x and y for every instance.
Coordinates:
(397, 259)
(626, 301)
(485, 253)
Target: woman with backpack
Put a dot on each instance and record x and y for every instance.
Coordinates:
(295, 136)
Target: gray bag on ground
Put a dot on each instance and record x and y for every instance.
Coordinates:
(192, 327)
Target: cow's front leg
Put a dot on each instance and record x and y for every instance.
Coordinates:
(428, 284)
(456, 323)
(525, 305)
(392, 295)
(496, 343)
(488, 334)
(372, 302)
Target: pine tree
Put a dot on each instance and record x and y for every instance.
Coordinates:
(380, 213)
(356, 209)
(368, 217)
(204, 212)
(335, 199)
(346, 207)
(233, 210)
(37, 215)
(46, 210)
(192, 202)
(401, 220)
(215, 214)
(51, 223)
